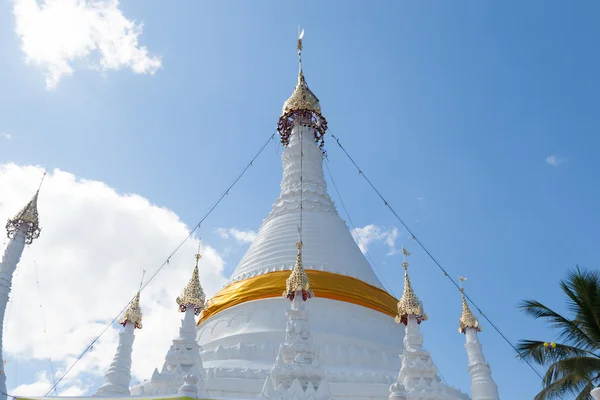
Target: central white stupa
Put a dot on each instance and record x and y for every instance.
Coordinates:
(352, 317)
(259, 337)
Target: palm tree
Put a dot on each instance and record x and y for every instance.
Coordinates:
(574, 361)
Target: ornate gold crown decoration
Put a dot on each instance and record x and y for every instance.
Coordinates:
(302, 108)
(302, 98)
(467, 319)
(28, 215)
(192, 295)
(133, 314)
(298, 280)
(409, 303)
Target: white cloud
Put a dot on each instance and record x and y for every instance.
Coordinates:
(371, 233)
(43, 383)
(55, 33)
(555, 160)
(89, 259)
(6, 135)
(240, 236)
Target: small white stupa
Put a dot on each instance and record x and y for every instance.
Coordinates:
(118, 377)
(21, 230)
(483, 386)
(297, 373)
(183, 368)
(418, 378)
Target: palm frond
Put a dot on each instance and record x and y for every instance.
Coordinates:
(573, 364)
(583, 290)
(560, 388)
(569, 331)
(536, 351)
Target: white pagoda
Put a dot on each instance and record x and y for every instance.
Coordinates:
(332, 335)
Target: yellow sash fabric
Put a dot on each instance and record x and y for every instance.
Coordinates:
(323, 284)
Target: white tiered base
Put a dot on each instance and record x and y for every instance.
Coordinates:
(358, 347)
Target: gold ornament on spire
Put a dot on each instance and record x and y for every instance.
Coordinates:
(133, 314)
(409, 303)
(467, 319)
(302, 98)
(302, 107)
(192, 295)
(28, 215)
(298, 280)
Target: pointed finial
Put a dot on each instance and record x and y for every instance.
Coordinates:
(303, 99)
(467, 318)
(302, 107)
(409, 303)
(28, 215)
(300, 36)
(133, 314)
(193, 295)
(298, 279)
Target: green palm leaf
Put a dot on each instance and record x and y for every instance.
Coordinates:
(573, 364)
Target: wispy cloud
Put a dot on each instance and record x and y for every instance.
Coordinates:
(84, 255)
(556, 161)
(234, 233)
(6, 135)
(55, 33)
(372, 233)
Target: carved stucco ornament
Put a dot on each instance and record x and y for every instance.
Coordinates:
(192, 295)
(29, 216)
(467, 319)
(133, 314)
(298, 279)
(409, 303)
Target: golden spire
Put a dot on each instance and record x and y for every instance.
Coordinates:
(409, 303)
(302, 98)
(133, 314)
(298, 280)
(193, 295)
(28, 215)
(467, 319)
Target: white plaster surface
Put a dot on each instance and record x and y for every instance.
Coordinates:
(358, 347)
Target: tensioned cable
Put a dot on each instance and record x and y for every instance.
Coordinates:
(416, 239)
(166, 262)
(9, 395)
(387, 287)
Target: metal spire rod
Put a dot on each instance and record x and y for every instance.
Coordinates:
(300, 36)
(42, 181)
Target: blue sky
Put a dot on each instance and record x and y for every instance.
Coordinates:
(451, 108)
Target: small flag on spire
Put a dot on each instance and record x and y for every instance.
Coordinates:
(405, 252)
(461, 278)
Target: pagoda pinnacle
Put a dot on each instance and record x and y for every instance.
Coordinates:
(483, 386)
(298, 280)
(193, 295)
(118, 376)
(409, 303)
(133, 314)
(302, 107)
(302, 98)
(467, 318)
(27, 216)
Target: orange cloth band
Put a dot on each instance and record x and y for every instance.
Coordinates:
(324, 285)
